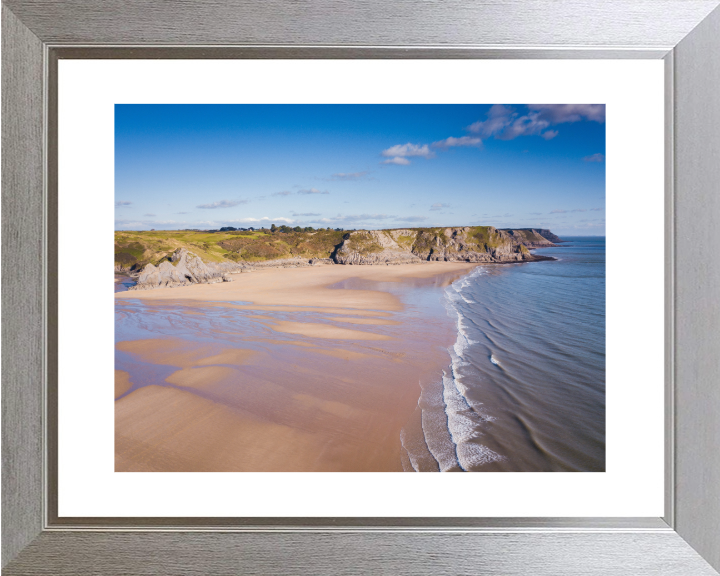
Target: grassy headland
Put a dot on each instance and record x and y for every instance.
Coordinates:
(135, 249)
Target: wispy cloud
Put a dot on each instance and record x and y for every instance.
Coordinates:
(596, 209)
(150, 215)
(283, 193)
(505, 123)
(453, 142)
(121, 203)
(595, 158)
(399, 153)
(312, 191)
(561, 113)
(348, 176)
(579, 210)
(258, 220)
(306, 214)
(411, 218)
(558, 211)
(397, 160)
(222, 204)
(409, 150)
(180, 212)
(354, 218)
(439, 206)
(126, 223)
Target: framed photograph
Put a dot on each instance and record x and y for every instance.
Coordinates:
(345, 254)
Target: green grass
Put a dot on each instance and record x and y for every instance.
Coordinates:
(275, 245)
(406, 241)
(364, 243)
(141, 248)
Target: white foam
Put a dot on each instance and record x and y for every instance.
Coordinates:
(465, 423)
(435, 427)
(465, 427)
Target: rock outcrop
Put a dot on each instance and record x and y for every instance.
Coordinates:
(533, 237)
(462, 244)
(360, 247)
(182, 269)
(373, 247)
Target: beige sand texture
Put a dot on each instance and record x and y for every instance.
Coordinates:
(122, 383)
(307, 286)
(377, 321)
(325, 398)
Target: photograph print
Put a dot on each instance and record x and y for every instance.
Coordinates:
(360, 288)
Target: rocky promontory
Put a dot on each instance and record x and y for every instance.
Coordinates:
(481, 244)
(459, 244)
(184, 268)
(533, 237)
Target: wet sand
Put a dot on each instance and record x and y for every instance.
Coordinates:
(323, 376)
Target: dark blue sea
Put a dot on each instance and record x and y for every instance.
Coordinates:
(525, 386)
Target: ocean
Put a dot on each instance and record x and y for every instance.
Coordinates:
(525, 386)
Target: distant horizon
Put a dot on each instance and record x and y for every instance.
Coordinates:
(362, 167)
(256, 228)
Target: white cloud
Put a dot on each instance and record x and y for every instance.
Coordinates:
(561, 113)
(462, 141)
(258, 220)
(397, 160)
(497, 120)
(595, 158)
(283, 193)
(150, 215)
(409, 150)
(349, 176)
(411, 218)
(504, 123)
(359, 218)
(222, 204)
(439, 206)
(121, 203)
(312, 191)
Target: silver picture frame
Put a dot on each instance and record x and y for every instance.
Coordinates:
(36, 34)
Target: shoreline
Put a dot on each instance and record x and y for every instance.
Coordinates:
(330, 362)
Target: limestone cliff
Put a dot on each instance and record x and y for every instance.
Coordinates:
(533, 237)
(482, 244)
(374, 247)
(461, 244)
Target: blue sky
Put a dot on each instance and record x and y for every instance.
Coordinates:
(360, 166)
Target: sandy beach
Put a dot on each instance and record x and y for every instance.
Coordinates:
(298, 369)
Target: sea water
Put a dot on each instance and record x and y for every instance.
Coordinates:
(524, 389)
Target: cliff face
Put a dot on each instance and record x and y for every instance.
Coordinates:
(533, 237)
(403, 246)
(463, 244)
(374, 247)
